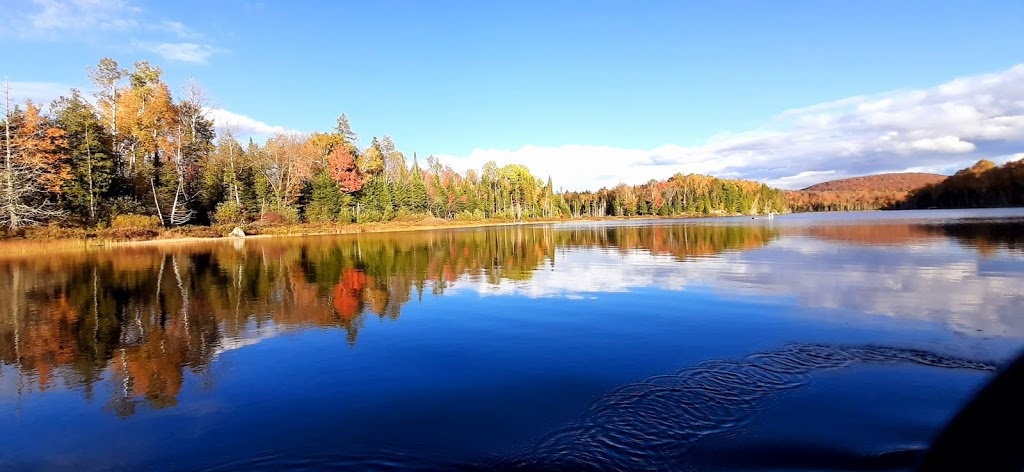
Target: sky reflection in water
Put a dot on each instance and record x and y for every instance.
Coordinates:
(457, 347)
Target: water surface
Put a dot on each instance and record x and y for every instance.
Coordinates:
(807, 342)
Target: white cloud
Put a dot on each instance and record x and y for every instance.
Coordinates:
(105, 20)
(242, 126)
(178, 28)
(942, 129)
(41, 93)
(53, 18)
(184, 52)
(808, 175)
(946, 144)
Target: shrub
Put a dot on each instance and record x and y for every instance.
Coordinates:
(273, 218)
(135, 221)
(406, 216)
(476, 215)
(367, 216)
(319, 213)
(251, 229)
(229, 213)
(126, 206)
(346, 215)
(55, 232)
(280, 215)
(194, 232)
(131, 233)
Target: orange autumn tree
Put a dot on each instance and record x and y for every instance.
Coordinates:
(31, 169)
(146, 118)
(42, 144)
(147, 123)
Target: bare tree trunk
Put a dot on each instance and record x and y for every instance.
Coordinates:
(174, 206)
(156, 201)
(113, 114)
(8, 164)
(231, 162)
(23, 198)
(88, 154)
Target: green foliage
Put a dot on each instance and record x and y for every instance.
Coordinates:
(475, 215)
(327, 200)
(229, 213)
(91, 159)
(416, 200)
(375, 202)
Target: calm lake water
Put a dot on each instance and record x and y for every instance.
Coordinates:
(836, 341)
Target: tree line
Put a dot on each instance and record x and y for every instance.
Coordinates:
(135, 149)
(854, 200)
(983, 185)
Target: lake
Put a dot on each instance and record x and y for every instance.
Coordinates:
(840, 341)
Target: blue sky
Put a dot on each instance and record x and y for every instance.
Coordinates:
(591, 92)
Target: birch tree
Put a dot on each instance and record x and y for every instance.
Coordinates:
(23, 193)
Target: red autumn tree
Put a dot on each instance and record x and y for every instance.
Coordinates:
(348, 293)
(342, 167)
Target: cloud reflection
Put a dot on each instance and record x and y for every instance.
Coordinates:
(919, 272)
(141, 320)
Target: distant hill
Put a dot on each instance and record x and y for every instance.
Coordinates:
(870, 192)
(896, 182)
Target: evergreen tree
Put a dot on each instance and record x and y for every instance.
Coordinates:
(326, 200)
(417, 197)
(375, 202)
(91, 159)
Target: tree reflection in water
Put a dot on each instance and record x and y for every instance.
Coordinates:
(139, 317)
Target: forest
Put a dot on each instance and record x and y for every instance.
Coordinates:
(133, 159)
(869, 192)
(812, 201)
(983, 185)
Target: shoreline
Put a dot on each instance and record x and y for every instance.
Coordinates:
(28, 246)
(21, 247)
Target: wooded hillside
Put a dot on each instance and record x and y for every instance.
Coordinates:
(869, 192)
(895, 182)
(982, 185)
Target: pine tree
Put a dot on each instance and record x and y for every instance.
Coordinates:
(417, 198)
(92, 160)
(375, 202)
(325, 200)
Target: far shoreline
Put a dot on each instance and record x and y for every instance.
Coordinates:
(23, 247)
(33, 246)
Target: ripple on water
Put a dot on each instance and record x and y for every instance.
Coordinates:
(652, 424)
